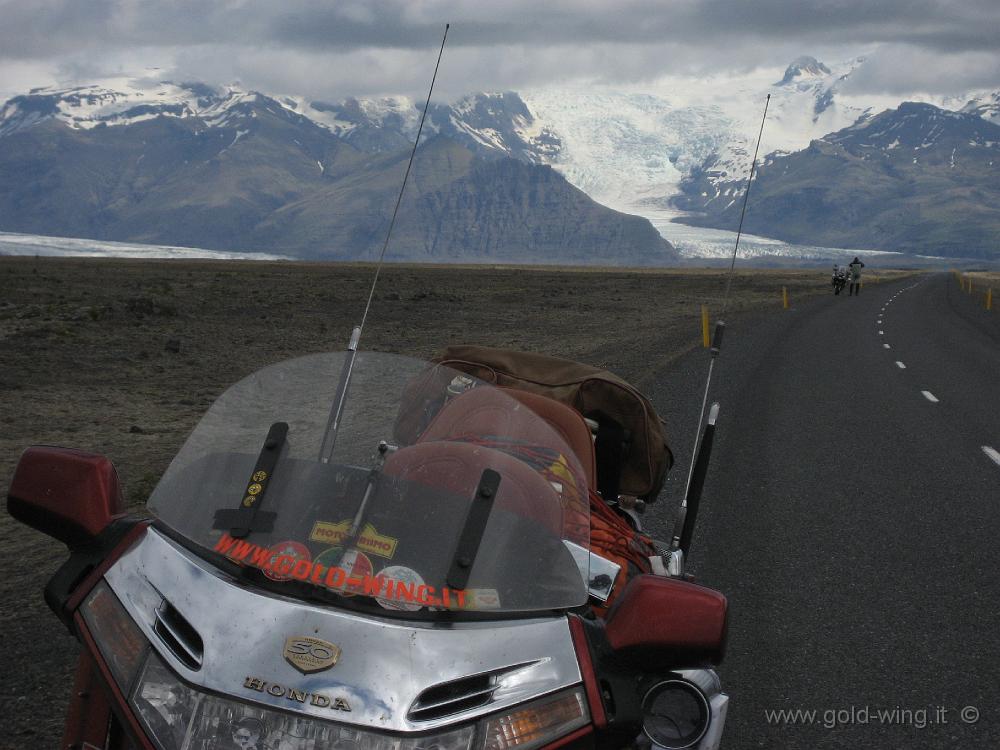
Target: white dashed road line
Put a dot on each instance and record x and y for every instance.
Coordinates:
(886, 346)
(992, 454)
(930, 396)
(900, 365)
(881, 333)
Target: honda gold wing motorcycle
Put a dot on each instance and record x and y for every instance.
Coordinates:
(366, 551)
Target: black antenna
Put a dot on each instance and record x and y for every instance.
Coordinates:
(743, 212)
(336, 411)
(406, 176)
(684, 525)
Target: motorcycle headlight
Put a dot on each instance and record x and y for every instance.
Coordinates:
(175, 715)
(675, 714)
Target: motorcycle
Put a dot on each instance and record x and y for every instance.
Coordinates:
(399, 558)
(839, 279)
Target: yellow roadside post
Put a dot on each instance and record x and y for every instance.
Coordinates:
(784, 297)
(706, 342)
(989, 298)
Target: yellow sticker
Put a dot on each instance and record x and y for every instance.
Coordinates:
(369, 541)
(254, 489)
(259, 476)
(248, 501)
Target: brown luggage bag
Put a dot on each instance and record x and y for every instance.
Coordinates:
(593, 392)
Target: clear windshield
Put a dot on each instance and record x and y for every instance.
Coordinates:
(411, 526)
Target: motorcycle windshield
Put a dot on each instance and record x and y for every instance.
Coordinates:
(473, 502)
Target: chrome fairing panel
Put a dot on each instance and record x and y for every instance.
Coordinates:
(384, 663)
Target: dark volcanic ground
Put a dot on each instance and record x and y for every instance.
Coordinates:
(122, 357)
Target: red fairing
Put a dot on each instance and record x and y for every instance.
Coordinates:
(125, 713)
(597, 714)
(89, 710)
(68, 494)
(665, 617)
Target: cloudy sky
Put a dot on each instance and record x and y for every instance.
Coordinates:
(329, 49)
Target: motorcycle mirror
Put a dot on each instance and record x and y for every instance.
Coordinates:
(65, 493)
(661, 619)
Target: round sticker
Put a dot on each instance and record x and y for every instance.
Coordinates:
(284, 556)
(406, 588)
(356, 567)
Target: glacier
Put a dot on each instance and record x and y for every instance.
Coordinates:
(628, 147)
(13, 243)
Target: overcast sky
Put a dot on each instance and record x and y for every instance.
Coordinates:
(329, 49)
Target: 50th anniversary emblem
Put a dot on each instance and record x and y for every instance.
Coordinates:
(309, 655)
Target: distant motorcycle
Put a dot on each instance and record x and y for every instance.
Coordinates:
(839, 279)
(399, 559)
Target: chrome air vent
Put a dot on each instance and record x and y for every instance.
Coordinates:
(456, 696)
(178, 636)
(453, 697)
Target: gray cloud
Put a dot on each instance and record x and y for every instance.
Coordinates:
(380, 46)
(903, 70)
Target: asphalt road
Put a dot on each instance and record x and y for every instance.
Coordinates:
(852, 520)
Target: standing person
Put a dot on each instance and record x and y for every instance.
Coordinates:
(855, 271)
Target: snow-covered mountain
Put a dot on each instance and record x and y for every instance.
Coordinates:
(633, 150)
(121, 101)
(986, 105)
(803, 68)
(918, 179)
(232, 170)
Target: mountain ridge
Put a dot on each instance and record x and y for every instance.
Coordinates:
(916, 179)
(636, 152)
(258, 176)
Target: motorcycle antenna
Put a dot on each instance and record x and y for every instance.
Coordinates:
(684, 525)
(337, 409)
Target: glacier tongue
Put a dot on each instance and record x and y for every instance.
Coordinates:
(619, 148)
(717, 244)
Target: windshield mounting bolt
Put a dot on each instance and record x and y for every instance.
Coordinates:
(464, 562)
(485, 492)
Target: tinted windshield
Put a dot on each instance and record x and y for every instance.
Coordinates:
(398, 526)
